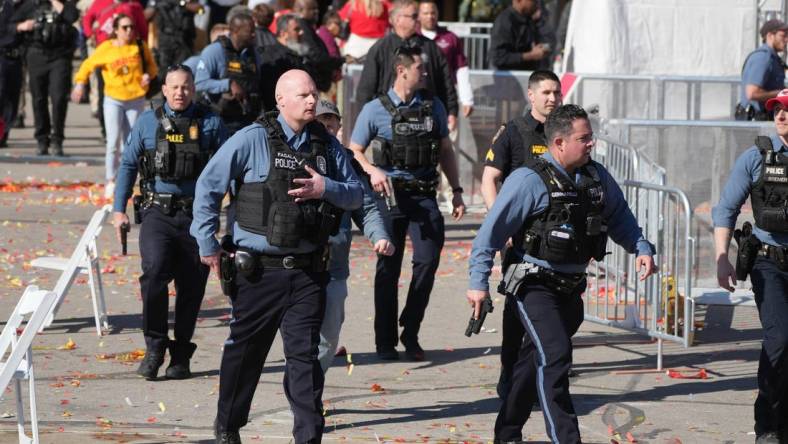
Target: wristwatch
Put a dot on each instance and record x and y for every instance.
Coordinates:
(457, 190)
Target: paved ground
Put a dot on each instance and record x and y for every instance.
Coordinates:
(90, 393)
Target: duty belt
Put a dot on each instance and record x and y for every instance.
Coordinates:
(169, 203)
(778, 254)
(247, 262)
(415, 185)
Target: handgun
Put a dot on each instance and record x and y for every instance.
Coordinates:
(391, 199)
(475, 325)
(124, 231)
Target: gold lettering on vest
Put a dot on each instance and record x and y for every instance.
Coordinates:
(175, 138)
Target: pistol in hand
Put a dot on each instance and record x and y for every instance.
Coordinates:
(475, 325)
(124, 232)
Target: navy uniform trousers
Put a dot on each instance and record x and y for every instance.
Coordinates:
(10, 88)
(292, 302)
(169, 253)
(542, 370)
(770, 285)
(419, 217)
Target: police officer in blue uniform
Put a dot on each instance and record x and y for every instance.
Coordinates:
(517, 141)
(407, 130)
(227, 75)
(763, 74)
(291, 181)
(560, 208)
(169, 146)
(761, 173)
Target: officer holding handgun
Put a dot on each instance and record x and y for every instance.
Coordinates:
(292, 181)
(408, 133)
(227, 74)
(169, 146)
(761, 173)
(560, 208)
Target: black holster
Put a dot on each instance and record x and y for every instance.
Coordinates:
(227, 270)
(137, 202)
(748, 250)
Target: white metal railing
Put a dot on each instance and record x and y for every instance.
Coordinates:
(656, 307)
(475, 39)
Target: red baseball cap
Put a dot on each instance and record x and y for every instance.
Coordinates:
(782, 99)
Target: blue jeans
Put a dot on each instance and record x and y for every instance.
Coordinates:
(119, 117)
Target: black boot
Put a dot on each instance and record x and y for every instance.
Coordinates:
(180, 354)
(149, 367)
(43, 148)
(225, 436)
(57, 149)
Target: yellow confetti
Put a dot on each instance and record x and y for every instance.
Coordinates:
(350, 369)
(70, 345)
(162, 408)
(67, 414)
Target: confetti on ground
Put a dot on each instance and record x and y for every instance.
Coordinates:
(700, 374)
(377, 388)
(69, 345)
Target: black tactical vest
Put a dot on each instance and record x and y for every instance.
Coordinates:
(177, 155)
(50, 30)
(242, 70)
(265, 208)
(571, 230)
(416, 139)
(769, 194)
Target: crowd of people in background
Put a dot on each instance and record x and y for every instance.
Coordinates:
(39, 39)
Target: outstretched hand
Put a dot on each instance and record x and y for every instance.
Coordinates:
(313, 187)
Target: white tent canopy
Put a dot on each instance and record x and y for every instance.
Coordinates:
(676, 37)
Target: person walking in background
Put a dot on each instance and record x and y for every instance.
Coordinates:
(50, 46)
(97, 27)
(368, 21)
(125, 85)
(451, 47)
(515, 39)
(763, 74)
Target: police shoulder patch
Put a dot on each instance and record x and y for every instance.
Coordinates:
(538, 149)
(490, 155)
(322, 166)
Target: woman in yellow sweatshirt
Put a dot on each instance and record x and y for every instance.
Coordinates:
(125, 85)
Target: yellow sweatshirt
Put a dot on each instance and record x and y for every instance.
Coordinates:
(121, 67)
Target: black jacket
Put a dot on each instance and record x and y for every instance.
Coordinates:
(275, 60)
(320, 65)
(513, 34)
(30, 9)
(378, 75)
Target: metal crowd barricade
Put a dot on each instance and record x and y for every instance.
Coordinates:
(698, 156)
(625, 163)
(656, 307)
(657, 97)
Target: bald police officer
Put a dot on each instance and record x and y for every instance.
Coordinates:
(291, 180)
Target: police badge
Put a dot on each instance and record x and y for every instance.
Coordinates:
(321, 165)
(194, 132)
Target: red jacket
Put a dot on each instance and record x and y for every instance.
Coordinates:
(102, 12)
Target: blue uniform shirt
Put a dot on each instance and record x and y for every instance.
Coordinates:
(143, 137)
(370, 219)
(763, 68)
(746, 171)
(374, 121)
(523, 195)
(245, 155)
(210, 76)
(192, 62)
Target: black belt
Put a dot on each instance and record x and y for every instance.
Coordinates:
(11, 53)
(247, 262)
(777, 254)
(168, 203)
(415, 185)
